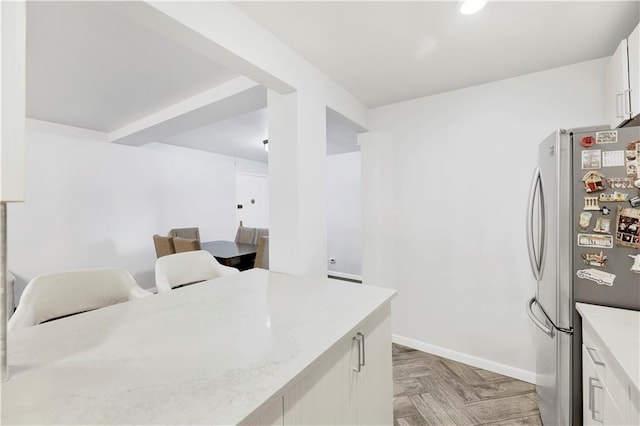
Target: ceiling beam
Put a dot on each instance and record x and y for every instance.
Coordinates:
(236, 97)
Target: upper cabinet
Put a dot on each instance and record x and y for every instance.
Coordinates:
(622, 82)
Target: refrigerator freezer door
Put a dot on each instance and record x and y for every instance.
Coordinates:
(553, 370)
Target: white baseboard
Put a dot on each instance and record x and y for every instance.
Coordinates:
(344, 275)
(505, 370)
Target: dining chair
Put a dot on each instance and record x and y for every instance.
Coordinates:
(246, 235)
(260, 232)
(163, 245)
(190, 267)
(54, 296)
(190, 233)
(185, 244)
(262, 255)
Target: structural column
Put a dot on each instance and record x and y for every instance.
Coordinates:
(12, 123)
(297, 183)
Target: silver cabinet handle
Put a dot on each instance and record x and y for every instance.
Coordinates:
(626, 103)
(536, 263)
(618, 105)
(593, 385)
(548, 331)
(359, 338)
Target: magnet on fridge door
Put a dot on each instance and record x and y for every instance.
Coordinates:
(636, 263)
(594, 259)
(603, 226)
(591, 159)
(635, 202)
(609, 136)
(585, 220)
(624, 182)
(599, 277)
(595, 240)
(628, 227)
(605, 210)
(593, 181)
(616, 197)
(588, 141)
(591, 203)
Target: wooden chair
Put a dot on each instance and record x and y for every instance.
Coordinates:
(190, 233)
(164, 245)
(54, 296)
(185, 244)
(262, 255)
(186, 268)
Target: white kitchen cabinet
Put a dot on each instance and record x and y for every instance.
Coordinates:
(617, 101)
(334, 392)
(610, 361)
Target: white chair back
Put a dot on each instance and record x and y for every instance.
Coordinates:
(52, 296)
(176, 270)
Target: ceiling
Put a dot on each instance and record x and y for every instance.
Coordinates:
(89, 65)
(387, 52)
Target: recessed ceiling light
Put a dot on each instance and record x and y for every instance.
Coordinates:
(469, 7)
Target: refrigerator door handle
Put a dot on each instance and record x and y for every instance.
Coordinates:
(546, 330)
(536, 258)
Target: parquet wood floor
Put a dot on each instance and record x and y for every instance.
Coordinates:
(429, 390)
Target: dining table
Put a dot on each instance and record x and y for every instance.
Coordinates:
(231, 253)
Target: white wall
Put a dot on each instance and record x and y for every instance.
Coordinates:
(91, 203)
(344, 229)
(452, 236)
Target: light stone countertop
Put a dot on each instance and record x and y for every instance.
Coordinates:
(619, 332)
(210, 353)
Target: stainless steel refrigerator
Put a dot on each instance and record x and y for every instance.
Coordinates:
(581, 234)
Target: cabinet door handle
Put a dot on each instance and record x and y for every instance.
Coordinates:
(593, 385)
(618, 105)
(359, 338)
(627, 103)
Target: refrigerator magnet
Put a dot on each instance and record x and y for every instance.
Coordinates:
(628, 227)
(585, 219)
(587, 141)
(603, 226)
(621, 183)
(632, 153)
(594, 259)
(636, 263)
(592, 159)
(616, 197)
(613, 158)
(591, 203)
(593, 181)
(610, 136)
(597, 276)
(595, 240)
(605, 210)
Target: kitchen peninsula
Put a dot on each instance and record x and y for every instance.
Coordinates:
(253, 348)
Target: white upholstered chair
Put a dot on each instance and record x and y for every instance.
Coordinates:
(57, 295)
(180, 269)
